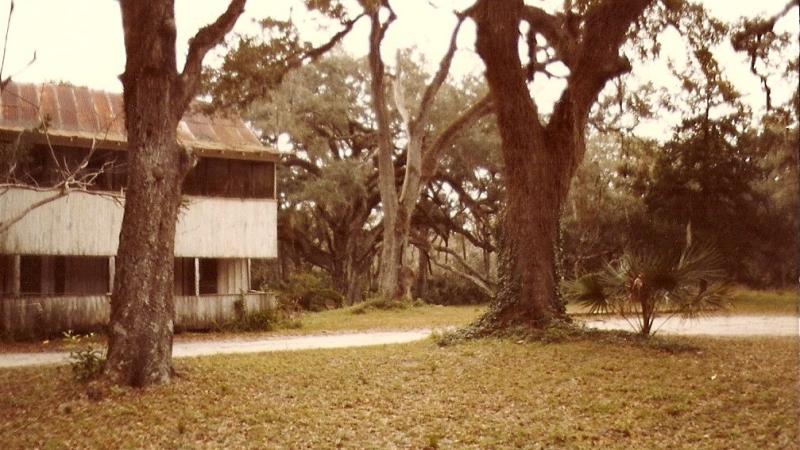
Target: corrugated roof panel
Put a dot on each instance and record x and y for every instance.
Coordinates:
(10, 99)
(28, 104)
(80, 112)
(87, 117)
(48, 108)
(103, 110)
(201, 130)
(66, 106)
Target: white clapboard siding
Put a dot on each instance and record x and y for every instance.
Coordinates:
(232, 276)
(88, 224)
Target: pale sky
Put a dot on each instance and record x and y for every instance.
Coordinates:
(80, 41)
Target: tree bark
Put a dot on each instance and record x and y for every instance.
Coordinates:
(155, 96)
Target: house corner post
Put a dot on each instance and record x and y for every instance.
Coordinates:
(16, 277)
(112, 268)
(196, 277)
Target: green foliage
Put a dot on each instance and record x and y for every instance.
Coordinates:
(644, 283)
(270, 319)
(309, 291)
(86, 359)
(265, 320)
(451, 289)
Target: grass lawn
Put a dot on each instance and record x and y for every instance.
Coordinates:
(745, 301)
(735, 393)
(343, 320)
(429, 316)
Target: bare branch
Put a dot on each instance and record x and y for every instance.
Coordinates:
(335, 39)
(436, 83)
(430, 159)
(385, 149)
(206, 38)
(467, 272)
(563, 38)
(3, 83)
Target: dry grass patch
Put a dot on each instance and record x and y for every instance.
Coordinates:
(736, 393)
(746, 301)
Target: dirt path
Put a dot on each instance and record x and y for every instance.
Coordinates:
(714, 326)
(271, 344)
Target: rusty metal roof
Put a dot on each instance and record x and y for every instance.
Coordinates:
(78, 114)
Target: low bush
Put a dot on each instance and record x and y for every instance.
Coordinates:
(383, 304)
(310, 291)
(263, 320)
(449, 289)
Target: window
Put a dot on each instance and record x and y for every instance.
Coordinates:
(184, 276)
(30, 274)
(60, 275)
(105, 170)
(208, 276)
(216, 177)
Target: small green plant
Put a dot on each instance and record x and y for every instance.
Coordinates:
(86, 359)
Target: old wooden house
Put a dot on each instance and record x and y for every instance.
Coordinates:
(57, 261)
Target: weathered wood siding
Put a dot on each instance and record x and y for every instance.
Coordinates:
(228, 228)
(232, 276)
(77, 224)
(206, 311)
(39, 316)
(88, 224)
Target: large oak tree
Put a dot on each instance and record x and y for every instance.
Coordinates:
(156, 96)
(541, 154)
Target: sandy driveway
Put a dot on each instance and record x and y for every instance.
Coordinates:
(273, 344)
(715, 326)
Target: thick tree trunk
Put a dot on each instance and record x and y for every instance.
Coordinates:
(528, 291)
(142, 309)
(155, 96)
(541, 160)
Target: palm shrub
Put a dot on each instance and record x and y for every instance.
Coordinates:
(644, 283)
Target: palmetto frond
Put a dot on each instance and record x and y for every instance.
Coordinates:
(589, 291)
(644, 282)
